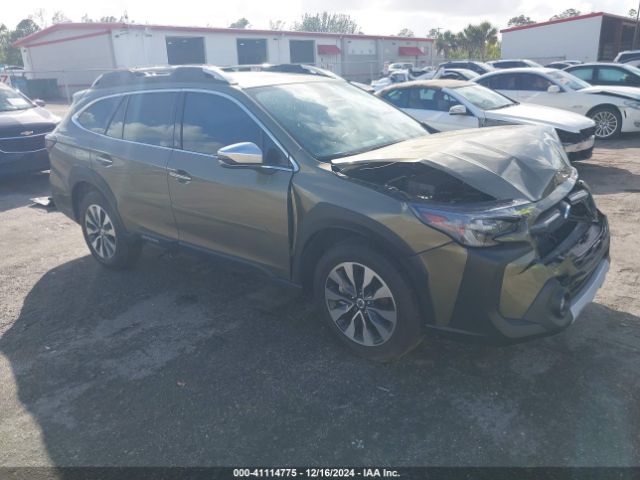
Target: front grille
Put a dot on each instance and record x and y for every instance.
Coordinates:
(21, 145)
(574, 215)
(12, 131)
(587, 132)
(571, 137)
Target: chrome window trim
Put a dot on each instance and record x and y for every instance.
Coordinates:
(294, 165)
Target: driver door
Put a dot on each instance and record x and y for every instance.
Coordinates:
(236, 210)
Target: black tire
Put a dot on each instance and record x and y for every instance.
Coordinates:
(407, 331)
(125, 251)
(608, 115)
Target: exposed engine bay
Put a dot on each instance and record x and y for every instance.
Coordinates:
(415, 181)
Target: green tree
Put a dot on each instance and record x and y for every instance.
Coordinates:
(519, 21)
(476, 39)
(446, 43)
(569, 12)
(10, 54)
(240, 23)
(633, 13)
(277, 24)
(405, 32)
(59, 17)
(327, 22)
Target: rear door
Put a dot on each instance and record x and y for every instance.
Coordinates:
(584, 73)
(135, 162)
(241, 211)
(616, 76)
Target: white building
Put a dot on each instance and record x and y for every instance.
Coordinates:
(75, 53)
(591, 37)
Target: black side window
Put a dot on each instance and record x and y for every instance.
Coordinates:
(149, 118)
(583, 73)
(117, 121)
(399, 98)
(505, 81)
(422, 98)
(211, 122)
(97, 116)
(531, 82)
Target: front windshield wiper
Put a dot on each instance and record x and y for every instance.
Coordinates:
(333, 156)
(503, 106)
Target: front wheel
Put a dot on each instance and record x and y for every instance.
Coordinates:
(367, 302)
(608, 122)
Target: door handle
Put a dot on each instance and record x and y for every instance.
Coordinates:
(104, 159)
(180, 175)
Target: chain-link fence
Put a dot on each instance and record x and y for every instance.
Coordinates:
(60, 85)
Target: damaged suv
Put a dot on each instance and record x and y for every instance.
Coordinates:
(485, 232)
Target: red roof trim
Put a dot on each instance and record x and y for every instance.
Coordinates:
(559, 20)
(26, 41)
(410, 51)
(67, 39)
(328, 50)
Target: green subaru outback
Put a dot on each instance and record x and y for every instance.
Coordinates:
(311, 180)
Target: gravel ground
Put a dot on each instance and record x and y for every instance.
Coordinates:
(188, 361)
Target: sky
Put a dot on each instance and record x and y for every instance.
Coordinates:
(378, 17)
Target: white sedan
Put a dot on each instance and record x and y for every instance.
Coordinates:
(614, 109)
(447, 105)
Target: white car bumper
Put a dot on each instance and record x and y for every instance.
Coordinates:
(580, 146)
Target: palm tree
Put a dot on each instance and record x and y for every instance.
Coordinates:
(477, 38)
(446, 42)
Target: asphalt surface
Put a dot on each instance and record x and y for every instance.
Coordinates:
(189, 361)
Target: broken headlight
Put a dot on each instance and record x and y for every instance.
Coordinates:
(481, 229)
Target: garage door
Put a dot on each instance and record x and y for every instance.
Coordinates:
(185, 50)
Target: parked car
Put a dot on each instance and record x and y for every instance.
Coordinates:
(614, 109)
(23, 126)
(631, 57)
(562, 64)
(478, 67)
(620, 74)
(316, 182)
(455, 74)
(519, 63)
(401, 66)
(397, 76)
(447, 105)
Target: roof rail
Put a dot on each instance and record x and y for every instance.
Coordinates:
(183, 73)
(283, 68)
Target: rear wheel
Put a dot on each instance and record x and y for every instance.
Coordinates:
(104, 233)
(367, 302)
(608, 122)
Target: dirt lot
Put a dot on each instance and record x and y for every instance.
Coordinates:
(185, 361)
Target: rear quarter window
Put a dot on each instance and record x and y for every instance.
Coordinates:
(96, 117)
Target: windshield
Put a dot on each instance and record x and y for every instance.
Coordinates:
(567, 80)
(11, 100)
(334, 119)
(483, 97)
(633, 69)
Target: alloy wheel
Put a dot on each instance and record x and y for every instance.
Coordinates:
(361, 304)
(606, 123)
(100, 231)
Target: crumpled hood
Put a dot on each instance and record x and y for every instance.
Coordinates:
(532, 114)
(517, 162)
(632, 93)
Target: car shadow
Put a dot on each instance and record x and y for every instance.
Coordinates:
(18, 190)
(606, 179)
(185, 361)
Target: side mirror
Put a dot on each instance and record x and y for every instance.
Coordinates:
(553, 89)
(39, 102)
(458, 110)
(243, 153)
